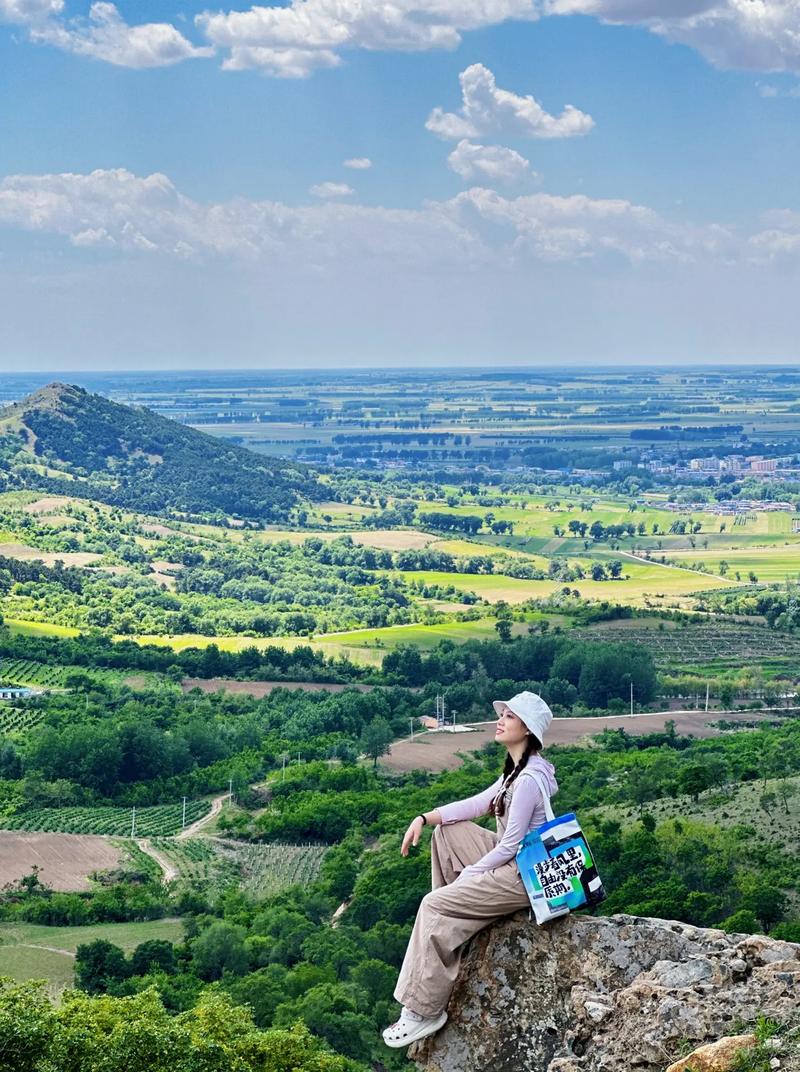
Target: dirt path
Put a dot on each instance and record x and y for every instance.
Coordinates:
(170, 872)
(196, 827)
(47, 948)
(168, 868)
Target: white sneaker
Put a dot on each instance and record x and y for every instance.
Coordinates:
(411, 1027)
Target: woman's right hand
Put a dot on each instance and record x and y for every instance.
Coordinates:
(412, 835)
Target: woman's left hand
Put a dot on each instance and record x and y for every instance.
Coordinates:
(412, 835)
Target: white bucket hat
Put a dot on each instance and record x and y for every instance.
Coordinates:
(531, 709)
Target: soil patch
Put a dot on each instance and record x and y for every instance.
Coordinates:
(64, 860)
(30, 554)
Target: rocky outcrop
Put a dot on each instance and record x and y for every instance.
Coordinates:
(605, 994)
(716, 1056)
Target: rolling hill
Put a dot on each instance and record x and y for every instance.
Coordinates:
(64, 440)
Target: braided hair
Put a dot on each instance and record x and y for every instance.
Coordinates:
(510, 772)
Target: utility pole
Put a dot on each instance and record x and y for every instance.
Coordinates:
(183, 820)
(133, 822)
(283, 769)
(230, 790)
(707, 687)
(631, 696)
(441, 711)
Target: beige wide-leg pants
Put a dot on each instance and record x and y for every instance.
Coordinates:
(451, 914)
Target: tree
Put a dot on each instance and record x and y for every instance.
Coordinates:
(155, 955)
(137, 1034)
(219, 949)
(503, 627)
(694, 779)
(767, 903)
(376, 739)
(99, 965)
(727, 694)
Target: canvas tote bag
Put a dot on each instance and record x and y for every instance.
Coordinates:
(556, 865)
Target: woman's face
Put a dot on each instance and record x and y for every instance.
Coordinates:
(510, 729)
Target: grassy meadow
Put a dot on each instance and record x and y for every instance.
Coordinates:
(33, 951)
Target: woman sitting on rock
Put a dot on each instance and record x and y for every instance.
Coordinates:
(475, 878)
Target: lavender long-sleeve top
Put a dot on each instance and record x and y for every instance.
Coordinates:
(525, 809)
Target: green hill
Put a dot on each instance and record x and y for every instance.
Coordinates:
(63, 440)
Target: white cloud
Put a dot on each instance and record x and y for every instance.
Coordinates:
(358, 163)
(488, 162)
(331, 190)
(106, 36)
(488, 110)
(749, 34)
(769, 91)
(25, 12)
(762, 35)
(280, 62)
(325, 26)
(780, 237)
(117, 210)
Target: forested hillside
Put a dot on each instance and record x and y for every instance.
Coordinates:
(62, 438)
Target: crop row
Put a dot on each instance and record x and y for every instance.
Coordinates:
(18, 719)
(199, 863)
(159, 821)
(267, 869)
(28, 672)
(704, 643)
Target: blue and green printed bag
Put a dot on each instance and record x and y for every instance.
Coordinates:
(556, 865)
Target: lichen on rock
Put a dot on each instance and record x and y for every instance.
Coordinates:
(605, 994)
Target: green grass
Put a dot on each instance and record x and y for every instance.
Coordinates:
(40, 628)
(775, 562)
(22, 958)
(643, 579)
(536, 520)
(780, 826)
(125, 935)
(21, 962)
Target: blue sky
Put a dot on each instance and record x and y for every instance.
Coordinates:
(160, 210)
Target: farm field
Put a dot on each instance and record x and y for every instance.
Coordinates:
(49, 558)
(160, 820)
(259, 869)
(383, 539)
(32, 951)
(364, 645)
(28, 672)
(40, 628)
(439, 751)
(714, 647)
(539, 516)
(643, 580)
(64, 860)
(775, 562)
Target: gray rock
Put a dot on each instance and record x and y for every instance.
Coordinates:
(602, 994)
